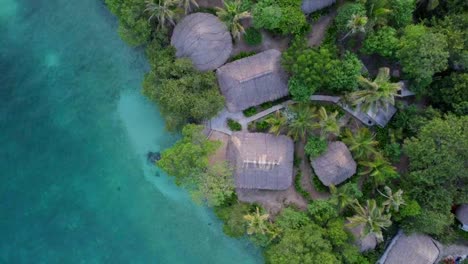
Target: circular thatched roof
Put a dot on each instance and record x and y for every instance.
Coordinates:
(204, 39)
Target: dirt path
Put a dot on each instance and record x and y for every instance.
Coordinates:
(306, 180)
(269, 42)
(319, 28)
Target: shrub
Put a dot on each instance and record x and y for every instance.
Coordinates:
(262, 126)
(345, 12)
(299, 91)
(298, 186)
(234, 125)
(315, 146)
(250, 111)
(242, 55)
(319, 186)
(253, 37)
(383, 42)
(281, 16)
(402, 12)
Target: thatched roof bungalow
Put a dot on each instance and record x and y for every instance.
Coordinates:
(310, 6)
(414, 249)
(261, 161)
(253, 80)
(204, 39)
(462, 216)
(336, 165)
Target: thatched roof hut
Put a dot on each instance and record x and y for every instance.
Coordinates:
(414, 249)
(336, 165)
(261, 161)
(365, 243)
(253, 80)
(204, 39)
(310, 6)
(372, 117)
(462, 216)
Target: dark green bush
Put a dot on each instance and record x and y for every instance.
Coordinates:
(315, 146)
(318, 184)
(234, 125)
(298, 186)
(250, 111)
(262, 126)
(242, 55)
(253, 37)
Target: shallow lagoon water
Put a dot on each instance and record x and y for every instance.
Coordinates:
(75, 185)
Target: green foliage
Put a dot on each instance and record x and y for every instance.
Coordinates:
(402, 12)
(451, 92)
(250, 111)
(301, 124)
(299, 91)
(422, 53)
(182, 93)
(233, 217)
(318, 185)
(410, 119)
(379, 170)
(345, 195)
(320, 68)
(253, 37)
(133, 22)
(315, 146)
(234, 125)
(241, 55)
(298, 186)
(291, 219)
(281, 16)
(383, 42)
(411, 209)
(322, 211)
(215, 185)
(231, 15)
(188, 158)
(345, 14)
(372, 217)
(262, 126)
(437, 168)
(361, 144)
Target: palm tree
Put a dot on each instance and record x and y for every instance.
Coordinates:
(231, 15)
(301, 125)
(377, 94)
(372, 217)
(362, 144)
(378, 11)
(342, 197)
(277, 123)
(357, 23)
(394, 200)
(163, 11)
(379, 169)
(327, 123)
(256, 222)
(187, 5)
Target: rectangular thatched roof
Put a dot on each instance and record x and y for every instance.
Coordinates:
(253, 80)
(261, 161)
(382, 116)
(336, 165)
(309, 6)
(414, 249)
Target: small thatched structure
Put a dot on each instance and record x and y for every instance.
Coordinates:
(414, 249)
(462, 216)
(336, 165)
(365, 243)
(261, 161)
(310, 6)
(204, 39)
(253, 80)
(372, 117)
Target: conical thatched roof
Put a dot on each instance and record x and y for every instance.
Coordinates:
(261, 161)
(253, 80)
(366, 243)
(204, 39)
(336, 165)
(309, 6)
(462, 214)
(414, 249)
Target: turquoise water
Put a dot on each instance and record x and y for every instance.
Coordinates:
(74, 130)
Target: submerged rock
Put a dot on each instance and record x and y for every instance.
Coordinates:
(152, 157)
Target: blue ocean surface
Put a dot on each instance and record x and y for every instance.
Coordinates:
(74, 132)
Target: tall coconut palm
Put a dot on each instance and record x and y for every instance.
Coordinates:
(376, 94)
(277, 123)
(379, 170)
(394, 200)
(231, 15)
(342, 197)
(327, 123)
(256, 223)
(372, 217)
(187, 5)
(163, 12)
(361, 144)
(357, 23)
(302, 124)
